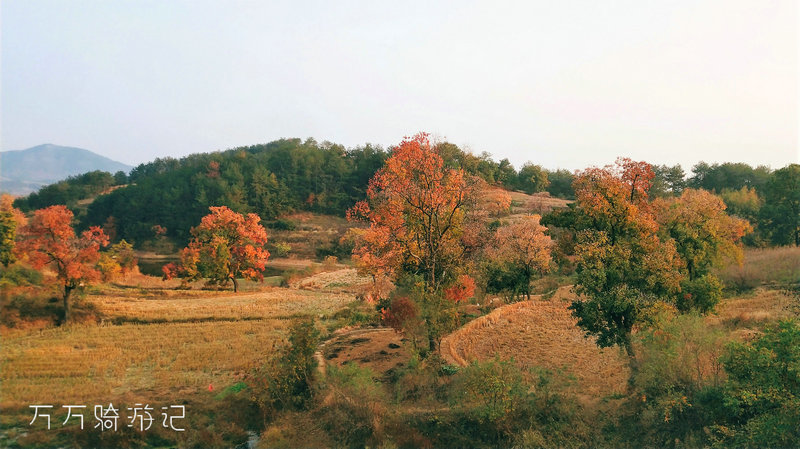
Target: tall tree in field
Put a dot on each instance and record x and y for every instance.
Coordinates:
(11, 219)
(781, 209)
(48, 240)
(623, 267)
(416, 210)
(521, 248)
(705, 236)
(225, 246)
(421, 229)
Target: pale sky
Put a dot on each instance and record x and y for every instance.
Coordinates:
(561, 83)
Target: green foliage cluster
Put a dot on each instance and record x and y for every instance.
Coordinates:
(286, 381)
(71, 190)
(8, 235)
(692, 389)
(268, 180)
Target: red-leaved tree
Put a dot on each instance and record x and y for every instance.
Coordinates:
(225, 246)
(48, 240)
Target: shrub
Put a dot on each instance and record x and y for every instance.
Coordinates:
(282, 249)
(676, 382)
(700, 294)
(353, 412)
(283, 224)
(761, 395)
(286, 381)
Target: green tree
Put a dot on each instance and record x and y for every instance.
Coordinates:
(560, 183)
(705, 236)
(623, 267)
(781, 210)
(532, 178)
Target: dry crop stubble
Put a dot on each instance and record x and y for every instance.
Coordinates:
(270, 303)
(90, 364)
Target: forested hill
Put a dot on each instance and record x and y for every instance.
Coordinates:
(268, 179)
(167, 196)
(272, 179)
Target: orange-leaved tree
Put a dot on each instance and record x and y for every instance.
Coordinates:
(522, 251)
(48, 240)
(421, 231)
(623, 267)
(705, 236)
(416, 210)
(225, 246)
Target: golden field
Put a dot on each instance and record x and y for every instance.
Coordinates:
(270, 303)
(93, 364)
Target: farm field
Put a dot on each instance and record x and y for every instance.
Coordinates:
(278, 303)
(152, 345)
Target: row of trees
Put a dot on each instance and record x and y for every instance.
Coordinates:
(225, 247)
(429, 224)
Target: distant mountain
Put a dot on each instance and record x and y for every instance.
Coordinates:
(25, 171)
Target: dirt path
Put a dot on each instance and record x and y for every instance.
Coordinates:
(380, 349)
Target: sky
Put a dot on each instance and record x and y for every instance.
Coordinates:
(564, 84)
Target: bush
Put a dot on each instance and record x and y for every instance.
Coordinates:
(353, 412)
(286, 381)
(283, 224)
(761, 395)
(497, 403)
(701, 294)
(677, 378)
(281, 249)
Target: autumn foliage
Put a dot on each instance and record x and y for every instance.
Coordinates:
(48, 240)
(634, 254)
(523, 250)
(225, 246)
(623, 267)
(11, 220)
(416, 211)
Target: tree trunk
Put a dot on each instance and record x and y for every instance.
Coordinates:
(632, 363)
(235, 284)
(67, 290)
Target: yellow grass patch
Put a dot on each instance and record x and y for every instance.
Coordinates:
(339, 280)
(130, 363)
(271, 303)
(756, 309)
(540, 333)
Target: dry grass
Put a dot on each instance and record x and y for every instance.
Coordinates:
(343, 280)
(541, 333)
(193, 305)
(754, 311)
(764, 266)
(130, 363)
(312, 231)
(538, 203)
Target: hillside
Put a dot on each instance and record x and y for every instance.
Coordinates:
(25, 171)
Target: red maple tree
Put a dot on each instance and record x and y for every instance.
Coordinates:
(225, 246)
(49, 240)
